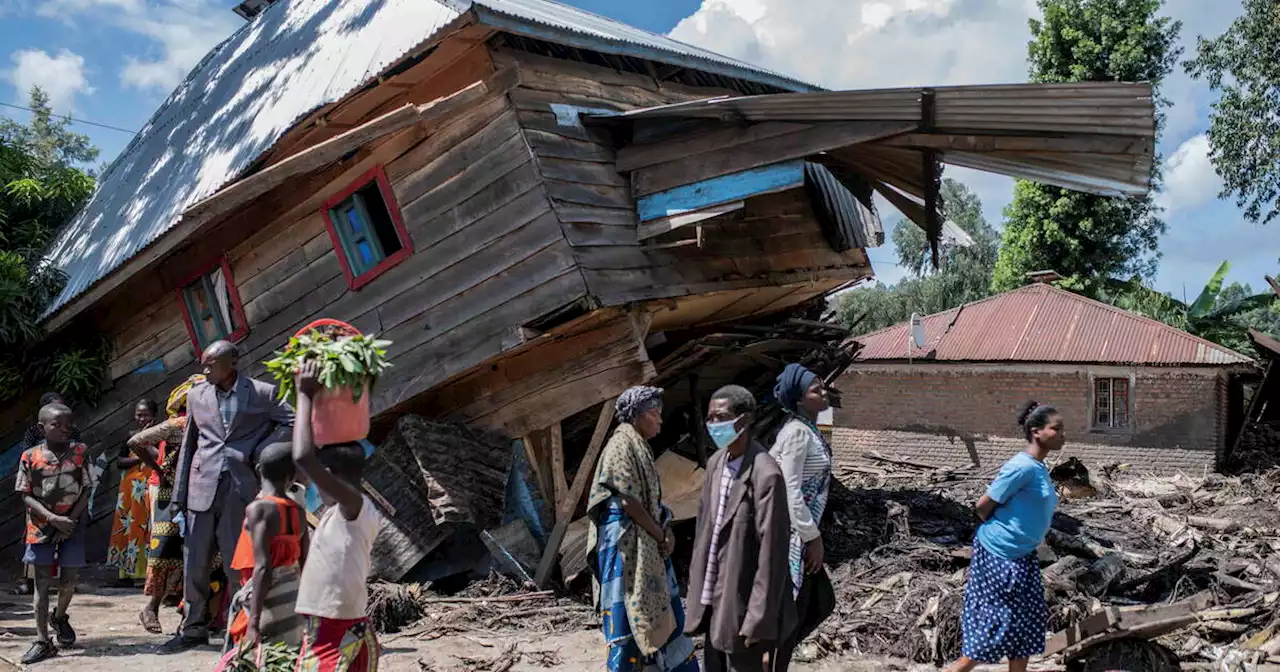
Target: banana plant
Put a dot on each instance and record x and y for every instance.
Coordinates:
(1207, 316)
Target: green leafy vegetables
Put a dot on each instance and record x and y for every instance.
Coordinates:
(345, 361)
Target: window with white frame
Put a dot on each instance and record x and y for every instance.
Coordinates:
(1112, 404)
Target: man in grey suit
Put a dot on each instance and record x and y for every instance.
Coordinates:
(230, 419)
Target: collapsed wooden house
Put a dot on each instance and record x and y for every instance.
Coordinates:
(533, 202)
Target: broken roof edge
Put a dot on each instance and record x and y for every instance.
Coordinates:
(1243, 360)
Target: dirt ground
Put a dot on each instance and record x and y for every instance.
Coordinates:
(111, 640)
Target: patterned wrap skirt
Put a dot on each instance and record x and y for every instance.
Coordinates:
(1004, 609)
(338, 645)
(164, 553)
(677, 655)
(131, 527)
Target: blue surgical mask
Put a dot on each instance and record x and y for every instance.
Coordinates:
(724, 433)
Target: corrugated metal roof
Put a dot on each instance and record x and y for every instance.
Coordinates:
(295, 57)
(1040, 323)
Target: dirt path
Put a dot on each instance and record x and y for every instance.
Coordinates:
(110, 640)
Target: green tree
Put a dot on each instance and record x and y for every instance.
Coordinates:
(964, 273)
(1242, 66)
(1082, 236)
(41, 189)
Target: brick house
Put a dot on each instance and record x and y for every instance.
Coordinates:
(1132, 390)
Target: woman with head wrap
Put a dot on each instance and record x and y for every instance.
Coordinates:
(805, 458)
(630, 543)
(157, 446)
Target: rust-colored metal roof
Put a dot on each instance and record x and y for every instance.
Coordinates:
(1040, 323)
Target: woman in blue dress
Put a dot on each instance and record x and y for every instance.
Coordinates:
(1004, 608)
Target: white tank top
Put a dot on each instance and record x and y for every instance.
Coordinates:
(338, 562)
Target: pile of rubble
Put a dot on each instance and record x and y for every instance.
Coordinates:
(498, 605)
(1141, 573)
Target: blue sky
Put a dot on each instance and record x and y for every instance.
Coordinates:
(114, 61)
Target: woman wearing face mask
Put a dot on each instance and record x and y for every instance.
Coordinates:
(1004, 609)
(739, 583)
(630, 544)
(805, 458)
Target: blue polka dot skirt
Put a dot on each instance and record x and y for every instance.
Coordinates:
(1004, 609)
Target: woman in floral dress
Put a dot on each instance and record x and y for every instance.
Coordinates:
(130, 531)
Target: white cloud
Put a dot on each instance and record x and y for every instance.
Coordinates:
(869, 43)
(185, 31)
(1189, 177)
(67, 8)
(62, 76)
(178, 33)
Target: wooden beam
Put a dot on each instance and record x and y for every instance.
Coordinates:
(586, 473)
(533, 457)
(685, 146)
(555, 448)
(699, 420)
(663, 225)
(1087, 144)
(905, 204)
(195, 218)
(797, 145)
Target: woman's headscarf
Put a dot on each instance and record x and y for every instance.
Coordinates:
(791, 385)
(637, 400)
(177, 404)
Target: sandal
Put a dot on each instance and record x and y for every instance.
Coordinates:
(39, 651)
(151, 622)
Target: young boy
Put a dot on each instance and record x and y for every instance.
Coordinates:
(271, 550)
(332, 596)
(53, 478)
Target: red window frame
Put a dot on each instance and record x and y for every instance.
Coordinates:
(233, 293)
(376, 174)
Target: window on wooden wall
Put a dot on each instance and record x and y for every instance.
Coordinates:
(211, 307)
(367, 230)
(1112, 403)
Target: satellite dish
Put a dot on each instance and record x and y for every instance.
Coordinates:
(917, 330)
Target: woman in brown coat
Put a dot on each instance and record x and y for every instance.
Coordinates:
(740, 593)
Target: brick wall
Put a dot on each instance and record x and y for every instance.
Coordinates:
(850, 447)
(1178, 414)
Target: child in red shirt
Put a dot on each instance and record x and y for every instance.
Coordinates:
(53, 479)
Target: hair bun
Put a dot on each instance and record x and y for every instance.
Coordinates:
(1024, 411)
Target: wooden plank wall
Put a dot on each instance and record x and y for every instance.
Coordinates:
(775, 240)
(489, 256)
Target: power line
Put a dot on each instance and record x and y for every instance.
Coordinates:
(74, 120)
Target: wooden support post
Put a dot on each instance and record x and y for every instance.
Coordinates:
(533, 456)
(586, 472)
(699, 419)
(555, 450)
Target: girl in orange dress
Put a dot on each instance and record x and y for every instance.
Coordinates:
(269, 555)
